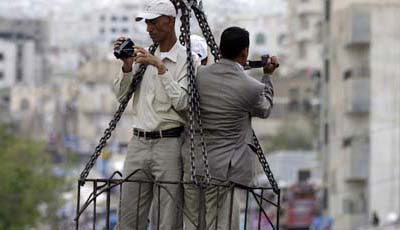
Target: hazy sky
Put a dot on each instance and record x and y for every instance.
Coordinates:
(40, 8)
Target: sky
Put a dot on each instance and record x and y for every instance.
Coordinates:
(41, 8)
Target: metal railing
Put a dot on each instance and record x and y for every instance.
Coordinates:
(97, 209)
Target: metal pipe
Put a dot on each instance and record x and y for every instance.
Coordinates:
(94, 204)
(77, 206)
(246, 209)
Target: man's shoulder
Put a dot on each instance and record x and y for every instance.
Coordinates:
(239, 80)
(251, 81)
(181, 50)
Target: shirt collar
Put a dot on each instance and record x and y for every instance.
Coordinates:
(230, 62)
(240, 66)
(172, 54)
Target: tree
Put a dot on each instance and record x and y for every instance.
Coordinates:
(294, 134)
(26, 183)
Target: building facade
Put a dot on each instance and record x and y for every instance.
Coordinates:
(355, 155)
(304, 36)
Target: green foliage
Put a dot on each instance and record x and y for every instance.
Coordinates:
(26, 182)
(294, 134)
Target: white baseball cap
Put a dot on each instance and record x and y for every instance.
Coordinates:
(156, 8)
(199, 46)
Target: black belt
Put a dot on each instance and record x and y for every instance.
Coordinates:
(174, 132)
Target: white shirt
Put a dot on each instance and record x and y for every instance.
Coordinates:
(159, 98)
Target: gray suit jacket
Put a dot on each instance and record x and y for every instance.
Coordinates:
(228, 99)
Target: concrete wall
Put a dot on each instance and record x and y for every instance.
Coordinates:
(385, 111)
(371, 54)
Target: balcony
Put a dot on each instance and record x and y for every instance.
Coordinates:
(357, 27)
(357, 157)
(357, 91)
(354, 221)
(309, 7)
(304, 35)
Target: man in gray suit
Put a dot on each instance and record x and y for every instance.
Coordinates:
(228, 99)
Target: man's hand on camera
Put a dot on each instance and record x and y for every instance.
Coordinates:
(143, 56)
(272, 65)
(127, 62)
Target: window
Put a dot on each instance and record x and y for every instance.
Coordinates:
(1, 76)
(102, 30)
(1, 56)
(4, 103)
(326, 133)
(125, 30)
(260, 39)
(91, 85)
(6, 99)
(19, 73)
(346, 142)
(326, 70)
(327, 10)
(354, 205)
(302, 50)
(304, 175)
(318, 35)
(113, 18)
(294, 93)
(24, 105)
(102, 18)
(304, 24)
(113, 30)
(125, 18)
(19, 50)
(281, 39)
(347, 74)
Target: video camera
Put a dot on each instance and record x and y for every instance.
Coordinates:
(258, 64)
(125, 50)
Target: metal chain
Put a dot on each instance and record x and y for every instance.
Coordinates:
(207, 33)
(194, 113)
(117, 116)
(182, 39)
(200, 127)
(265, 165)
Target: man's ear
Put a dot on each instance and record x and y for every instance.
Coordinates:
(245, 53)
(171, 20)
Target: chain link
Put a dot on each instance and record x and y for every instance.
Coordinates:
(117, 116)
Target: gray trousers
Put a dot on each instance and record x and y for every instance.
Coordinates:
(159, 159)
(222, 210)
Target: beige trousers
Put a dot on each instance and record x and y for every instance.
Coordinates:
(222, 210)
(159, 160)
